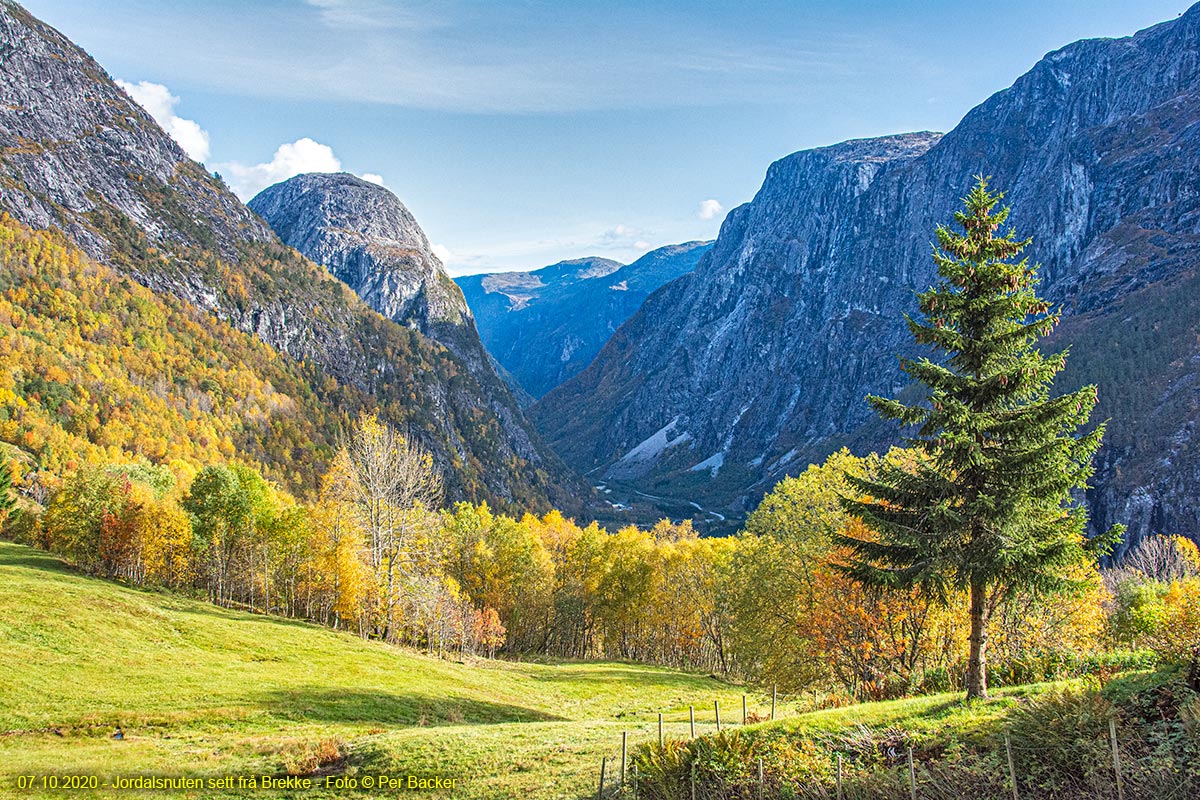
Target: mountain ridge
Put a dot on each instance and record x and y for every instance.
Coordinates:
(1096, 147)
(77, 153)
(546, 325)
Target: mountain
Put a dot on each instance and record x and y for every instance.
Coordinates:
(77, 154)
(369, 240)
(545, 326)
(757, 363)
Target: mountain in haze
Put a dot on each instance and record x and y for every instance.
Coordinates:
(545, 326)
(757, 363)
(77, 154)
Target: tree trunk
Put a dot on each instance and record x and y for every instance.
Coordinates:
(977, 664)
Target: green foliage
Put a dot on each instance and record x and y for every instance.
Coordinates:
(987, 506)
(7, 501)
(1068, 730)
(222, 521)
(74, 519)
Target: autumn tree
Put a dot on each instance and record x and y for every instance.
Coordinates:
(7, 501)
(986, 509)
(221, 513)
(394, 488)
(76, 513)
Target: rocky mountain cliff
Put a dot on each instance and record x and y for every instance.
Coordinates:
(78, 154)
(369, 240)
(757, 363)
(545, 326)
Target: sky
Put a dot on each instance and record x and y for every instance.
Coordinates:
(522, 133)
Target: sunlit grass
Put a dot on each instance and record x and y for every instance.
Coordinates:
(206, 691)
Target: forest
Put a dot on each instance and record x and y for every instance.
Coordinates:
(147, 452)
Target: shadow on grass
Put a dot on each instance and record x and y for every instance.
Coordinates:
(642, 676)
(317, 704)
(19, 555)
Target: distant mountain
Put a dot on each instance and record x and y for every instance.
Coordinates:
(757, 363)
(547, 325)
(78, 154)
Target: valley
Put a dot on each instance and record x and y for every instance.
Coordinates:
(889, 490)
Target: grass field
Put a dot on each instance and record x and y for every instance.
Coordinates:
(210, 693)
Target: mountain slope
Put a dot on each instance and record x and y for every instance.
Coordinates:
(545, 326)
(77, 153)
(369, 240)
(758, 362)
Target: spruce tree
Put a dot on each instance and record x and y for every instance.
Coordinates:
(984, 509)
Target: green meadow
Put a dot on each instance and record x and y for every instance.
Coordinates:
(209, 693)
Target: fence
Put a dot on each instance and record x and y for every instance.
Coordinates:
(1012, 770)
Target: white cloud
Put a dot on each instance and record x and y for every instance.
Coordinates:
(291, 159)
(709, 209)
(365, 14)
(440, 250)
(371, 177)
(621, 236)
(160, 104)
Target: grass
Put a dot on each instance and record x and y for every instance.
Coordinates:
(207, 692)
(926, 717)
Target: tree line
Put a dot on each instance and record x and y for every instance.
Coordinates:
(375, 554)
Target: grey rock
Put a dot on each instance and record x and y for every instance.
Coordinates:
(763, 355)
(369, 240)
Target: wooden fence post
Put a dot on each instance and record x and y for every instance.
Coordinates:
(1112, 732)
(840, 796)
(760, 778)
(692, 779)
(1012, 769)
(603, 766)
(624, 741)
(912, 776)
(743, 709)
(660, 734)
(774, 688)
(717, 710)
(635, 782)
(692, 719)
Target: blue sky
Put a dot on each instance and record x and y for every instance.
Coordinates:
(524, 132)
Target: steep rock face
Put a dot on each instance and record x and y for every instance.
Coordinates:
(545, 326)
(757, 363)
(369, 240)
(73, 143)
(77, 153)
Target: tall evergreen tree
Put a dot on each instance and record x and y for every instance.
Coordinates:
(985, 508)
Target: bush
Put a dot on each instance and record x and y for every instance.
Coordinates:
(1060, 739)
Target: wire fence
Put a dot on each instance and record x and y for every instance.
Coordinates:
(1113, 769)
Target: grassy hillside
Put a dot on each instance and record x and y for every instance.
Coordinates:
(1054, 739)
(212, 692)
